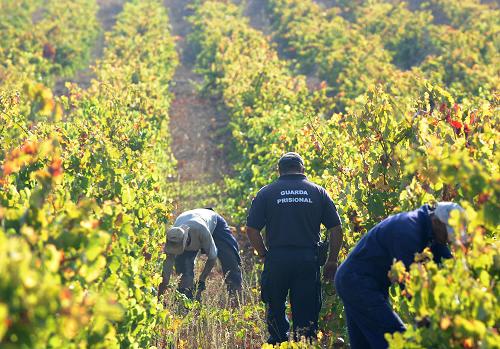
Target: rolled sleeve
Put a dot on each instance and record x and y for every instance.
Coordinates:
(208, 245)
(257, 213)
(330, 217)
(211, 249)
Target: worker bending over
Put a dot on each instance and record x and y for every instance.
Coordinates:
(362, 280)
(201, 230)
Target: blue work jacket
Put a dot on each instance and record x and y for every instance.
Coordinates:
(397, 237)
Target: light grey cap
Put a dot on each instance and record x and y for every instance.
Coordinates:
(176, 240)
(443, 212)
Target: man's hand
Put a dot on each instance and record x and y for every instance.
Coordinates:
(168, 266)
(336, 239)
(162, 288)
(329, 271)
(209, 264)
(199, 287)
(256, 241)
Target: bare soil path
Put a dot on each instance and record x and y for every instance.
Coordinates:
(197, 126)
(108, 10)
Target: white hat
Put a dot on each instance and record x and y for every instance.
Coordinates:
(176, 240)
(443, 211)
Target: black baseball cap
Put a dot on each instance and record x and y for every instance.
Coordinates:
(291, 158)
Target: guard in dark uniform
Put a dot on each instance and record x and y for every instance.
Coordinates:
(292, 210)
(362, 280)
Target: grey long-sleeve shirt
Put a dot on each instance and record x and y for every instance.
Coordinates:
(201, 223)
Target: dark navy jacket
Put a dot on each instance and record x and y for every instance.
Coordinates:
(292, 209)
(397, 237)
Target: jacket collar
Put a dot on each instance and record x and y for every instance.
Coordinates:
(293, 176)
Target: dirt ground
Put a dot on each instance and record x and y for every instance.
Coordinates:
(197, 125)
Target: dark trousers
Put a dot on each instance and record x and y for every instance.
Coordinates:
(292, 271)
(368, 312)
(230, 262)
